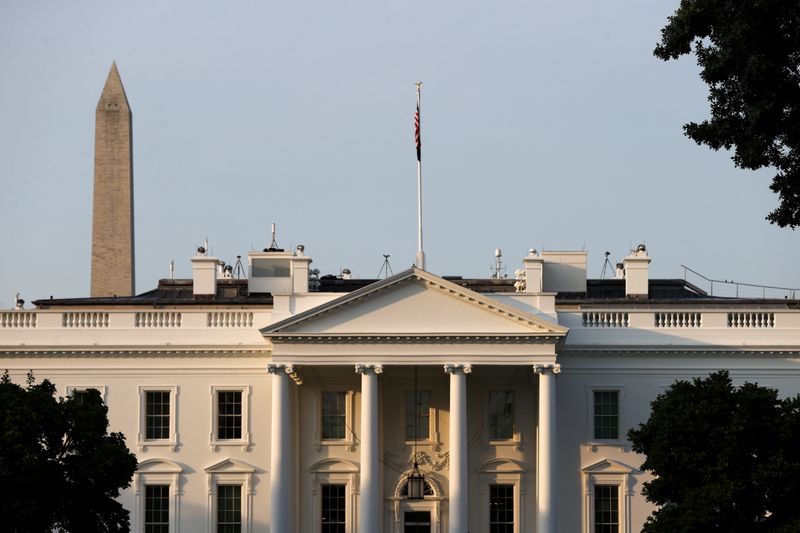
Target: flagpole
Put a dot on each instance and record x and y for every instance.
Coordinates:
(420, 252)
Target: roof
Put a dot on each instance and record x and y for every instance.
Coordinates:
(177, 292)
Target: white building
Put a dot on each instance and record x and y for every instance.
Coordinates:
(278, 404)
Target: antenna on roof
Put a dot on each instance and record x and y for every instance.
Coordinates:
(386, 268)
(273, 245)
(499, 269)
(606, 265)
(238, 269)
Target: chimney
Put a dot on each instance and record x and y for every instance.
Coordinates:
(637, 270)
(277, 272)
(204, 274)
(534, 266)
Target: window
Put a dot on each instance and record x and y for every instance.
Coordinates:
(157, 417)
(229, 508)
(606, 509)
(229, 416)
(230, 493)
(501, 415)
(607, 501)
(157, 404)
(418, 416)
(79, 393)
(501, 508)
(334, 515)
(606, 415)
(334, 415)
(156, 509)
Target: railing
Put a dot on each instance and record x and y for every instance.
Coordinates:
(678, 320)
(595, 319)
(158, 319)
(735, 289)
(751, 320)
(18, 319)
(229, 319)
(89, 319)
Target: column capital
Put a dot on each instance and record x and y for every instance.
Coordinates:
(452, 368)
(280, 368)
(555, 368)
(362, 368)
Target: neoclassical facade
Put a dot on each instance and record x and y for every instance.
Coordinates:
(282, 402)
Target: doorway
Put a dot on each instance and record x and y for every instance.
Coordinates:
(417, 522)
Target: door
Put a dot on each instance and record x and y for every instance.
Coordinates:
(417, 522)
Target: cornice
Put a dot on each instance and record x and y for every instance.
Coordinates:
(306, 338)
(132, 351)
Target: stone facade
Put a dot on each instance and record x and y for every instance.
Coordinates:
(112, 223)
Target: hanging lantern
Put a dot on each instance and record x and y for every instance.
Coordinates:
(416, 484)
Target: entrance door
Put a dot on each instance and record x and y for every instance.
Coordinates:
(417, 522)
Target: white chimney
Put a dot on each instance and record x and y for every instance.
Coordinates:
(564, 271)
(204, 274)
(637, 273)
(534, 266)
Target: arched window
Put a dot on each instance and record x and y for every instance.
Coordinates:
(428, 490)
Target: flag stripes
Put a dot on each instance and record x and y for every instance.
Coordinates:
(417, 139)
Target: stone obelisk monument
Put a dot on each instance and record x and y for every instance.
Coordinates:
(112, 222)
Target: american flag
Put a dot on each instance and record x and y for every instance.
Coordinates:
(417, 139)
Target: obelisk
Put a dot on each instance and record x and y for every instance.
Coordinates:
(112, 218)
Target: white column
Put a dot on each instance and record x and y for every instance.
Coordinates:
(369, 509)
(546, 467)
(281, 453)
(459, 477)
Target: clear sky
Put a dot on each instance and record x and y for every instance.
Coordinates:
(547, 124)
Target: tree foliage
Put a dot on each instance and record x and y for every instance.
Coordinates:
(724, 459)
(59, 467)
(749, 55)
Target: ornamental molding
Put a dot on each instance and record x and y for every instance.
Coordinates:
(151, 352)
(538, 326)
(677, 351)
(321, 338)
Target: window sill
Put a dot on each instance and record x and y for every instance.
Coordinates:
(157, 443)
(244, 443)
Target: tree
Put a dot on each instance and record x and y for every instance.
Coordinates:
(723, 458)
(59, 467)
(749, 55)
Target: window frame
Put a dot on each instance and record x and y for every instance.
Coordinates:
(610, 473)
(590, 425)
(433, 425)
(156, 472)
(172, 441)
(514, 503)
(69, 390)
(516, 435)
(230, 472)
(502, 471)
(245, 441)
(334, 472)
(349, 404)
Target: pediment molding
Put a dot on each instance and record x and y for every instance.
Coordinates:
(527, 325)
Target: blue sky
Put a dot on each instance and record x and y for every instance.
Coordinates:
(546, 124)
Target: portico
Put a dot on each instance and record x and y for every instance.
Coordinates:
(381, 332)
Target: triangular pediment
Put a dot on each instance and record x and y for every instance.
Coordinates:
(414, 302)
(230, 466)
(608, 466)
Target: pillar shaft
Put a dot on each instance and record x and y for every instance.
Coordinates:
(369, 510)
(281, 453)
(458, 475)
(546, 493)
